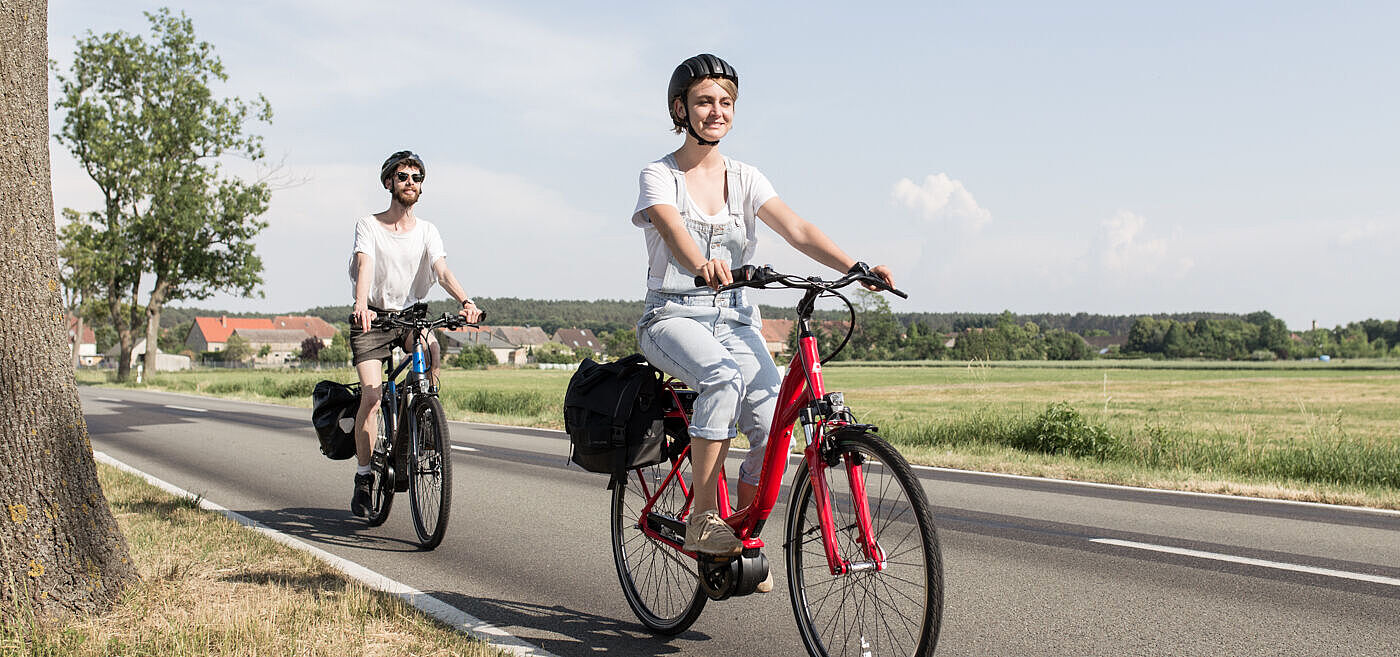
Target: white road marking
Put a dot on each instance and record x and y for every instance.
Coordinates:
(464, 448)
(1279, 565)
(187, 408)
(446, 613)
(109, 399)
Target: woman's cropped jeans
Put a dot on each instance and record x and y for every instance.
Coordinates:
(713, 344)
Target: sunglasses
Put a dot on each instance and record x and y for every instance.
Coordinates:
(402, 176)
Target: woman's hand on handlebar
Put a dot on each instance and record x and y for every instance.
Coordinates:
(716, 273)
(883, 273)
(362, 315)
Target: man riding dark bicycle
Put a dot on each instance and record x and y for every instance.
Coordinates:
(397, 258)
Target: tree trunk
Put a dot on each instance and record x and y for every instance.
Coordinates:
(60, 549)
(153, 324)
(123, 327)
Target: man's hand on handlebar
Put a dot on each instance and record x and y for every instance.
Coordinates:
(362, 315)
(471, 313)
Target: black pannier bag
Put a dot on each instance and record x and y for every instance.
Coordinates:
(613, 414)
(333, 408)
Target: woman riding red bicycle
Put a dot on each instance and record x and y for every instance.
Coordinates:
(699, 210)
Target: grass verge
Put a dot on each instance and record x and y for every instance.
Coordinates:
(211, 587)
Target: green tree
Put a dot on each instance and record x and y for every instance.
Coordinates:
(1064, 345)
(338, 352)
(142, 119)
(619, 343)
(877, 331)
(553, 352)
(475, 357)
(61, 551)
(237, 349)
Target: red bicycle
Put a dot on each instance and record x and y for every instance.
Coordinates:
(864, 568)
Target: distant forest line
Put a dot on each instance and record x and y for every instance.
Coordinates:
(608, 315)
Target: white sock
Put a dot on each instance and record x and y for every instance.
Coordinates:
(362, 469)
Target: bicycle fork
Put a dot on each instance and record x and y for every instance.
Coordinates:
(819, 459)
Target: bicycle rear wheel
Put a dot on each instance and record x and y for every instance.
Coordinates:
(381, 490)
(895, 611)
(430, 472)
(661, 584)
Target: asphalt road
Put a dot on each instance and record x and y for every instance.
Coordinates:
(1033, 567)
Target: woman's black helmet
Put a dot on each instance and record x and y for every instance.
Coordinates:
(690, 70)
(392, 164)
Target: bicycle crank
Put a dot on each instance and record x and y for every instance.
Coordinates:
(722, 577)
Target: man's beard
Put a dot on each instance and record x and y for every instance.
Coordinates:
(404, 200)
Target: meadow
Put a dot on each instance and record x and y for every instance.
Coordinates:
(1297, 430)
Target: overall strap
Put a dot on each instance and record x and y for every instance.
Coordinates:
(732, 196)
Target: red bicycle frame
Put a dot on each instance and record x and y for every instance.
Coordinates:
(801, 389)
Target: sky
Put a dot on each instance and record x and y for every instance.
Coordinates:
(1099, 157)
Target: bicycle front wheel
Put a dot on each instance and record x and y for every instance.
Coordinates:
(896, 610)
(381, 489)
(430, 472)
(661, 584)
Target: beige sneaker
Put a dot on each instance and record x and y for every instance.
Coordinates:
(707, 533)
(766, 585)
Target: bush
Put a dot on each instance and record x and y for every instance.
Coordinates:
(1060, 429)
(475, 357)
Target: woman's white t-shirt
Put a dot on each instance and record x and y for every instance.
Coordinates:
(658, 187)
(402, 262)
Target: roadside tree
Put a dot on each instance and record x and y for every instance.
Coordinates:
(61, 551)
(141, 118)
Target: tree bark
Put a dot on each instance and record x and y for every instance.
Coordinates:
(153, 323)
(60, 549)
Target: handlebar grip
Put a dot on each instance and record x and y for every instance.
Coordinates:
(744, 273)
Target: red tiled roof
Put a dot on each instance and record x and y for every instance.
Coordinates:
(217, 329)
(777, 330)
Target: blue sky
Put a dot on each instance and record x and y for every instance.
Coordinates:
(1100, 157)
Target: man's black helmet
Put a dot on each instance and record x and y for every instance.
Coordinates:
(398, 158)
(690, 70)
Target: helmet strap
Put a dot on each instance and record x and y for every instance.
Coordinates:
(691, 129)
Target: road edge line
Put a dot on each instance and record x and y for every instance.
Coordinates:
(443, 612)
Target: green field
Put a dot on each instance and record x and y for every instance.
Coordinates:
(1310, 431)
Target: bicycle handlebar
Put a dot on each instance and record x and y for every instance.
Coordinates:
(762, 277)
(415, 317)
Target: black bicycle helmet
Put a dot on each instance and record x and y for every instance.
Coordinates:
(392, 164)
(690, 70)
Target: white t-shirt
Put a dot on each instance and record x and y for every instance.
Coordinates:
(402, 262)
(658, 187)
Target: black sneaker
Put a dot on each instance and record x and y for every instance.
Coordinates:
(359, 504)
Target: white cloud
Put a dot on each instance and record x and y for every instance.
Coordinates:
(1127, 250)
(941, 198)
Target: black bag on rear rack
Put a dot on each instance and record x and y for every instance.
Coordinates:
(333, 407)
(614, 415)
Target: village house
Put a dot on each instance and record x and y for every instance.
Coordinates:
(574, 338)
(86, 345)
(775, 335)
(523, 340)
(468, 336)
(314, 326)
(164, 362)
(211, 333)
(283, 345)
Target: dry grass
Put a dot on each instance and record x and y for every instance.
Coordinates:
(211, 587)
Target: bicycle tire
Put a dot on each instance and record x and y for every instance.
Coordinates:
(381, 490)
(430, 472)
(662, 585)
(896, 611)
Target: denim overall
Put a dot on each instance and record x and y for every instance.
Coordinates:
(712, 341)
